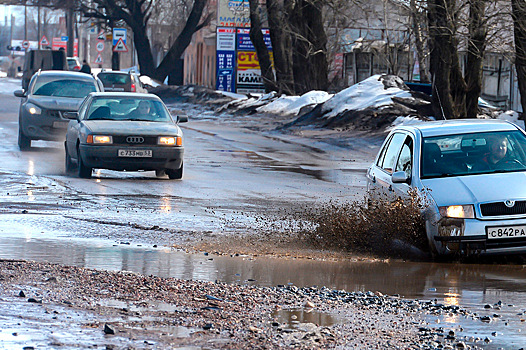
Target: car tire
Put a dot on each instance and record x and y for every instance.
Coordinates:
(69, 162)
(160, 172)
(24, 142)
(175, 174)
(84, 171)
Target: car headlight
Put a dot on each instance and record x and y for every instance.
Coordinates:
(99, 139)
(33, 109)
(170, 140)
(457, 211)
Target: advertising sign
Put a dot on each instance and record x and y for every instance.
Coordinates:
(233, 13)
(58, 44)
(226, 58)
(248, 75)
(243, 39)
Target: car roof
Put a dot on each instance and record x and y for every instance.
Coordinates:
(464, 126)
(65, 74)
(136, 95)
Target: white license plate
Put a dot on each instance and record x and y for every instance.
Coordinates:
(60, 125)
(503, 232)
(135, 153)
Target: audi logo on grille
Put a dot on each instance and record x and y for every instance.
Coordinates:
(135, 139)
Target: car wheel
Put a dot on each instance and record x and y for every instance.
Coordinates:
(69, 162)
(84, 171)
(24, 142)
(175, 174)
(160, 173)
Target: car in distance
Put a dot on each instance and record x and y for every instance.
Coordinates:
(470, 175)
(120, 81)
(124, 131)
(74, 64)
(49, 95)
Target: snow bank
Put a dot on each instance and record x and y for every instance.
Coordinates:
(293, 104)
(367, 93)
(513, 117)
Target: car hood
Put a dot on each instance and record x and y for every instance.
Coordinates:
(476, 188)
(115, 127)
(56, 103)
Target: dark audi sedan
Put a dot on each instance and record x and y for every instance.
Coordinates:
(124, 131)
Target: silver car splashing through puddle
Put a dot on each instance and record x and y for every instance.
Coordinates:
(472, 176)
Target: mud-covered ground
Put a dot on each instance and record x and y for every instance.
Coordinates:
(120, 310)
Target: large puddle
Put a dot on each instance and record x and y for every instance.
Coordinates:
(497, 291)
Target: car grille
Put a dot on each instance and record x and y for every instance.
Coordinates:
(499, 209)
(135, 140)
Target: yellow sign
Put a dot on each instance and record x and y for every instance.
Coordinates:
(249, 60)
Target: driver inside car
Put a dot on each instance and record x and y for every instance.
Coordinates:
(143, 111)
(497, 157)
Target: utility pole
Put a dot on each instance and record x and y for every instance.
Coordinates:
(25, 22)
(71, 34)
(39, 34)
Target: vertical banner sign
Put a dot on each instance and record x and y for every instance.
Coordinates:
(226, 51)
(248, 77)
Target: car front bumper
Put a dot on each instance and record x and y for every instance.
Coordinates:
(106, 157)
(48, 126)
(469, 236)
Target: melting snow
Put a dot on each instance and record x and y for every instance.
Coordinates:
(368, 93)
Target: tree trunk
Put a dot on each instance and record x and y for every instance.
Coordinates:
(144, 50)
(519, 22)
(280, 36)
(310, 65)
(418, 28)
(256, 36)
(182, 41)
(440, 35)
(476, 48)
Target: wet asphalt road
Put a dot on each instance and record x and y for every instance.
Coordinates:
(226, 170)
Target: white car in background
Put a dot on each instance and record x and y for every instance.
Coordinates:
(472, 176)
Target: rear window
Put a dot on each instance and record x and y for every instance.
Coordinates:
(107, 78)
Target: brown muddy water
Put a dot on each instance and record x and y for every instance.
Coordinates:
(497, 291)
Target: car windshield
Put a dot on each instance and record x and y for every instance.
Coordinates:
(469, 154)
(61, 87)
(123, 108)
(111, 78)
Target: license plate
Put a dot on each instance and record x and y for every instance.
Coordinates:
(60, 125)
(503, 232)
(135, 153)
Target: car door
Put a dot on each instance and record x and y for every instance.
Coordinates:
(380, 174)
(72, 134)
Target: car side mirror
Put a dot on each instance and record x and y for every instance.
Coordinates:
(70, 115)
(400, 177)
(19, 93)
(182, 118)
